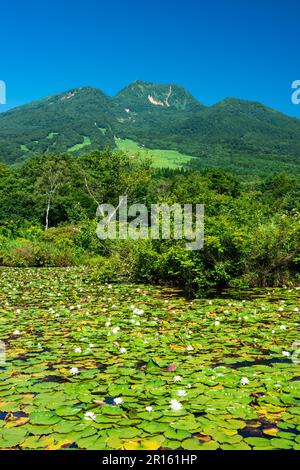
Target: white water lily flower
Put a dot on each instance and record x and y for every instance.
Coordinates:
(107, 324)
(91, 345)
(189, 348)
(138, 311)
(273, 332)
(245, 317)
(149, 409)
(280, 309)
(16, 333)
(181, 393)
(57, 315)
(90, 416)
(77, 350)
(175, 405)
(115, 330)
(123, 350)
(118, 401)
(282, 327)
(244, 381)
(177, 378)
(286, 353)
(296, 309)
(217, 323)
(74, 371)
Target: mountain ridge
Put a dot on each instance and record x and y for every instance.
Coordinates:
(155, 115)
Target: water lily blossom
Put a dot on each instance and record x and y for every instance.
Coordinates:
(74, 371)
(286, 353)
(181, 393)
(190, 348)
(16, 333)
(138, 311)
(149, 409)
(244, 381)
(77, 350)
(177, 378)
(115, 330)
(123, 350)
(118, 401)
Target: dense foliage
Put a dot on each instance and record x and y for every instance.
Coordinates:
(252, 228)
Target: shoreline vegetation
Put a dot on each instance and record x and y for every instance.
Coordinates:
(252, 227)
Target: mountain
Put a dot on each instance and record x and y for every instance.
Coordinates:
(149, 97)
(155, 116)
(245, 126)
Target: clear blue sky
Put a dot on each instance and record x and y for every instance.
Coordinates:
(248, 49)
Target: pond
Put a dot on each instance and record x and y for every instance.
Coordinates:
(89, 366)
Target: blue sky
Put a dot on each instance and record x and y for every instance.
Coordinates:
(224, 48)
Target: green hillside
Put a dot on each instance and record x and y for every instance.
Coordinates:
(58, 123)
